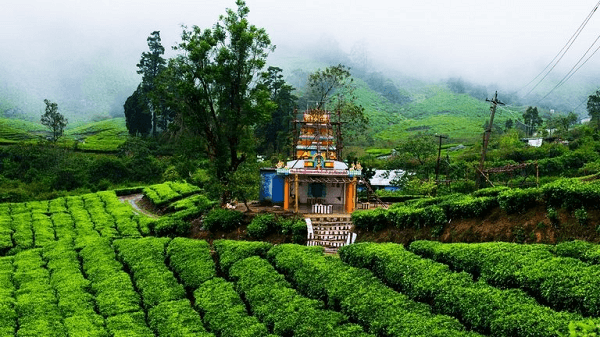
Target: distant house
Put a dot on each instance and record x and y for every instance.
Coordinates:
(382, 180)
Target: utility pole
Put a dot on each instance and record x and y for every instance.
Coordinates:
(437, 166)
(486, 136)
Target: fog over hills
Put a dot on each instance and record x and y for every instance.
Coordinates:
(83, 55)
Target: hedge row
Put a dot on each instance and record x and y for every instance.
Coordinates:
(572, 194)
(124, 217)
(583, 250)
(36, 302)
(357, 293)
(224, 312)
(177, 318)
(277, 304)
(103, 222)
(114, 293)
(177, 223)
(481, 307)
(437, 211)
(8, 315)
(5, 232)
(562, 283)
(162, 194)
(231, 251)
(145, 258)
(72, 289)
(191, 260)
(518, 200)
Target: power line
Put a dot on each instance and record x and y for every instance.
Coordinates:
(563, 51)
(573, 70)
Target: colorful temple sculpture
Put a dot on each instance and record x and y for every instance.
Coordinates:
(315, 183)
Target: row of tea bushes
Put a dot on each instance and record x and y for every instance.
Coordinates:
(169, 311)
(478, 305)
(222, 308)
(568, 193)
(357, 293)
(583, 250)
(165, 193)
(273, 300)
(563, 283)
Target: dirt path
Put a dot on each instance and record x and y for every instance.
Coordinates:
(133, 200)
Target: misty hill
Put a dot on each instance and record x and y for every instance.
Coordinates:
(396, 104)
(84, 88)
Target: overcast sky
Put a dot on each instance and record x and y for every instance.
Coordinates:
(490, 41)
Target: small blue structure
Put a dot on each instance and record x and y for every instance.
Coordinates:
(271, 186)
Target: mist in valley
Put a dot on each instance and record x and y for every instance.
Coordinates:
(83, 55)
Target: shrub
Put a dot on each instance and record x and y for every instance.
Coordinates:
(231, 251)
(261, 225)
(222, 219)
(192, 261)
(518, 200)
(171, 227)
(490, 191)
(373, 219)
(581, 216)
(299, 231)
(552, 214)
(572, 194)
(467, 206)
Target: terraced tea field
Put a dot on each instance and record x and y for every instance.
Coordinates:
(90, 265)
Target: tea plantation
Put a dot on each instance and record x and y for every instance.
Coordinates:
(90, 265)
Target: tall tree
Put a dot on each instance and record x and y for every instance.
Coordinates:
(214, 85)
(532, 119)
(138, 118)
(274, 136)
(151, 65)
(593, 108)
(54, 120)
(333, 89)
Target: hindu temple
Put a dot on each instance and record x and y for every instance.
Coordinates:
(315, 182)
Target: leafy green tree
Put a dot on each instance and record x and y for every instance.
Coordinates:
(138, 118)
(562, 122)
(508, 124)
(54, 120)
(417, 153)
(213, 86)
(593, 108)
(151, 65)
(274, 135)
(532, 119)
(333, 89)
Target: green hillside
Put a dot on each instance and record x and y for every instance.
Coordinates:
(105, 135)
(16, 130)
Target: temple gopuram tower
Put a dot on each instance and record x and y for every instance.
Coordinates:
(315, 183)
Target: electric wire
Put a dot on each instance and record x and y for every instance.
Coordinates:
(573, 69)
(563, 51)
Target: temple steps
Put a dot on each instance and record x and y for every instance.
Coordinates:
(330, 231)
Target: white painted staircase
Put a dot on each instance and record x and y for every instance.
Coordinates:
(329, 230)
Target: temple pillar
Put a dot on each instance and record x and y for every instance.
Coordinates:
(297, 190)
(286, 194)
(349, 198)
(354, 194)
